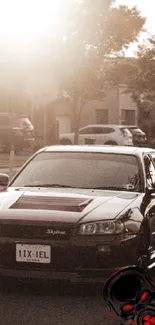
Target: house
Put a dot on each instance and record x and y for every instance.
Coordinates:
(116, 107)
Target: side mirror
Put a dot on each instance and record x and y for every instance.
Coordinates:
(4, 181)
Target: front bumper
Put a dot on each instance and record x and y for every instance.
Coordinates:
(76, 261)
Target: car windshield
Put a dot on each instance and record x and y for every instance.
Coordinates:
(81, 170)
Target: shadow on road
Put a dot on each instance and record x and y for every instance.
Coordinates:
(52, 304)
(49, 289)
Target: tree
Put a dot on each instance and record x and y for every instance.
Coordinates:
(144, 86)
(97, 30)
(139, 75)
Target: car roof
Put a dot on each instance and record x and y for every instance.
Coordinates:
(98, 149)
(132, 126)
(103, 125)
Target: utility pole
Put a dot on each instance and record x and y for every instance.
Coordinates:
(45, 126)
(12, 148)
(32, 112)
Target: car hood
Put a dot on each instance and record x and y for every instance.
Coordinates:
(64, 205)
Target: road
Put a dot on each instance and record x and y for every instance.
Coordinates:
(38, 304)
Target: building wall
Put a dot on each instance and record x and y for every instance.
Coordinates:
(126, 103)
(108, 110)
(63, 113)
(112, 103)
(116, 102)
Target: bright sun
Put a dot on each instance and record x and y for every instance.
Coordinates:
(25, 20)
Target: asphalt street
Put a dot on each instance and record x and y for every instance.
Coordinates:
(44, 304)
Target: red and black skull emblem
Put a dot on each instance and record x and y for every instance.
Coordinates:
(130, 296)
(146, 316)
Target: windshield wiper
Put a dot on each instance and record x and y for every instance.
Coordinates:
(49, 185)
(113, 188)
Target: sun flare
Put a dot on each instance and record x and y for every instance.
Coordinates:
(28, 19)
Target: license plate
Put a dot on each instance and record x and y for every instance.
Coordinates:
(33, 253)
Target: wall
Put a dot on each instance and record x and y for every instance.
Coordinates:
(110, 101)
(115, 101)
(126, 103)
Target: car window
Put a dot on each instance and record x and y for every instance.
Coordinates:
(107, 130)
(89, 130)
(82, 170)
(150, 171)
(98, 130)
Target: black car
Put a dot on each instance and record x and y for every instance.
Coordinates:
(15, 129)
(78, 213)
(138, 136)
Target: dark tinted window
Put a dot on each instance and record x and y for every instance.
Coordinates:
(4, 120)
(89, 130)
(82, 170)
(108, 130)
(97, 130)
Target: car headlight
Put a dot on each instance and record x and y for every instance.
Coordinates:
(101, 228)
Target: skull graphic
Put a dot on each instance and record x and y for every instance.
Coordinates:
(130, 295)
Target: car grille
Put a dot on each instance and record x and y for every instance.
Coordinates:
(34, 232)
(51, 203)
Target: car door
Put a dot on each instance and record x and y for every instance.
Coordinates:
(98, 134)
(109, 135)
(103, 134)
(85, 134)
(150, 207)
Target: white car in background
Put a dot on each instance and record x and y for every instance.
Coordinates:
(101, 134)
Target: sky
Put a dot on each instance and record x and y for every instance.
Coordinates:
(25, 30)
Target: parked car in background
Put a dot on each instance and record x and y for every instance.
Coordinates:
(101, 134)
(139, 137)
(17, 129)
(78, 213)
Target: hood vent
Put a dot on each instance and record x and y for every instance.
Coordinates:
(51, 203)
